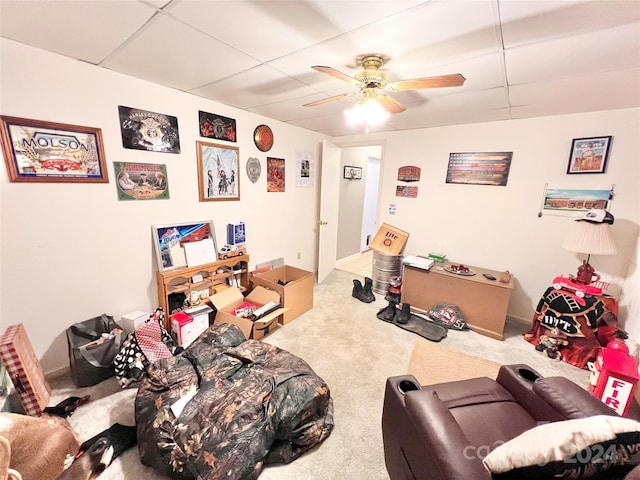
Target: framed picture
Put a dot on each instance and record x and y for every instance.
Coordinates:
(217, 126)
(218, 177)
(479, 168)
(151, 131)
(170, 241)
(352, 173)
(141, 181)
(589, 155)
(40, 151)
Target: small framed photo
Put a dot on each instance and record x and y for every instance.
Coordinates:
(352, 173)
(39, 151)
(589, 155)
(218, 177)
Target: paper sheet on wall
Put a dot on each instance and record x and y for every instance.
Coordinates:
(305, 168)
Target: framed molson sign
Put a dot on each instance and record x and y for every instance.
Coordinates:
(40, 151)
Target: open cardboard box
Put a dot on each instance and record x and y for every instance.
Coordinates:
(297, 294)
(231, 298)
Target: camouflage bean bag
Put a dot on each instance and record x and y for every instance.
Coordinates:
(255, 404)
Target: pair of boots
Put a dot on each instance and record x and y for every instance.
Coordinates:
(363, 293)
(392, 314)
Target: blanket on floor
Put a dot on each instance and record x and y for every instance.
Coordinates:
(255, 404)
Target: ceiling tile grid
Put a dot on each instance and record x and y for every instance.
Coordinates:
(520, 58)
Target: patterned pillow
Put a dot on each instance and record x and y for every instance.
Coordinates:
(448, 316)
(580, 448)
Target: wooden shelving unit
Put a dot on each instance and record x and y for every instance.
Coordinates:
(232, 271)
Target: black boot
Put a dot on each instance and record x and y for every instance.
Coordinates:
(359, 292)
(403, 316)
(368, 285)
(387, 313)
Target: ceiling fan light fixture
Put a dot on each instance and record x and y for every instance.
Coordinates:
(367, 111)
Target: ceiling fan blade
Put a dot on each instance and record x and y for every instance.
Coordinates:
(327, 100)
(336, 74)
(390, 104)
(453, 80)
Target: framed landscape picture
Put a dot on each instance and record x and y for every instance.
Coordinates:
(40, 151)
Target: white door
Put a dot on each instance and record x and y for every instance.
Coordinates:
(329, 200)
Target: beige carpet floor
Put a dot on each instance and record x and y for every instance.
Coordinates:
(354, 352)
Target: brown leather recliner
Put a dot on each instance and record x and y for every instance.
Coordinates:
(443, 431)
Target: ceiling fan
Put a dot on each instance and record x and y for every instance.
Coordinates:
(374, 84)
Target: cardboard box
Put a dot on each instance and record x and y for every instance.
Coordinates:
(228, 300)
(389, 240)
(296, 294)
(132, 320)
(24, 370)
(187, 325)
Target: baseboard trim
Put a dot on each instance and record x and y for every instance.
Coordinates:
(348, 259)
(519, 320)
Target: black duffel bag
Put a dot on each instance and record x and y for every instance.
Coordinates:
(93, 344)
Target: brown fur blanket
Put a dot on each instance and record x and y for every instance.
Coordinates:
(39, 445)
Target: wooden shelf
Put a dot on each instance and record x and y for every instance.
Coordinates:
(180, 280)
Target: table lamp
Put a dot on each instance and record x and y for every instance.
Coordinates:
(591, 235)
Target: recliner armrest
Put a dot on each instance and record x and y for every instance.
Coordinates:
(570, 400)
(518, 380)
(441, 439)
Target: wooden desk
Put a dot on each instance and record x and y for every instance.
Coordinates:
(483, 302)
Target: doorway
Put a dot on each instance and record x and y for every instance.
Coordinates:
(358, 200)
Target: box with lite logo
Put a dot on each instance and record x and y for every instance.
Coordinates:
(389, 240)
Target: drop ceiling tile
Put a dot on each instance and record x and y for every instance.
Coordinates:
(77, 29)
(293, 109)
(258, 86)
(619, 89)
(288, 26)
(534, 21)
(172, 54)
(610, 49)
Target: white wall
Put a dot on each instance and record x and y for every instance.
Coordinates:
(498, 227)
(73, 251)
(352, 195)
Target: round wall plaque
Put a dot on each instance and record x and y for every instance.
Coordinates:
(263, 138)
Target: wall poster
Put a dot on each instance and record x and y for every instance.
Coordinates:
(143, 130)
(275, 174)
(490, 168)
(574, 201)
(141, 181)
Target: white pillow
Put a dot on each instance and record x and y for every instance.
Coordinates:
(575, 445)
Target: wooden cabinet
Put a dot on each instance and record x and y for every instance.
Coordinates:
(483, 302)
(232, 271)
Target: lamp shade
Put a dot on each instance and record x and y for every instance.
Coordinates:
(591, 238)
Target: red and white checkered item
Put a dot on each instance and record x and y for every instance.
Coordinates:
(24, 370)
(149, 338)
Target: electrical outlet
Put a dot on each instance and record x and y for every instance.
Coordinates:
(299, 255)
